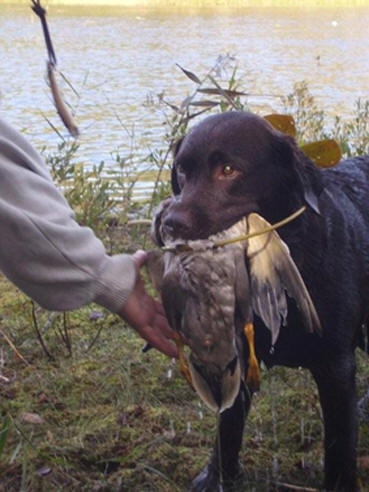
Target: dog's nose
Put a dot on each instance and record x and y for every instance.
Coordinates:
(176, 225)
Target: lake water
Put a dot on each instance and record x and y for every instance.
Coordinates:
(118, 59)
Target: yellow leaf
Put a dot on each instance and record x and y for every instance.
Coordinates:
(282, 122)
(325, 153)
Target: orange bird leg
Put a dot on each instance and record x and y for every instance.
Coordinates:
(253, 372)
(182, 362)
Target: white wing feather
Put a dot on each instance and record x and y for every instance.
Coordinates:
(273, 273)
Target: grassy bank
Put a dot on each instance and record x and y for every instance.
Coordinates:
(86, 410)
(107, 417)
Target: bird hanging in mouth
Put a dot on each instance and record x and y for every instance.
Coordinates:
(210, 294)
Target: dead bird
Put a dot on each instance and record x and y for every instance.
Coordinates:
(211, 291)
(61, 107)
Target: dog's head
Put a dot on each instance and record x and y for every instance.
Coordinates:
(232, 164)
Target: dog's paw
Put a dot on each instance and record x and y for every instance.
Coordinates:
(209, 480)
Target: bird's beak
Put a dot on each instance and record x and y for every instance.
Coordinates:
(217, 389)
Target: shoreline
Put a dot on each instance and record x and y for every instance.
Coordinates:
(201, 4)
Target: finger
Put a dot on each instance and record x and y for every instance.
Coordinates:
(159, 342)
(160, 322)
(159, 307)
(140, 257)
(158, 317)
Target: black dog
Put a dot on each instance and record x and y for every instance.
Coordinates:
(235, 163)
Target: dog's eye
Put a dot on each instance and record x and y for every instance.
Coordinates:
(228, 170)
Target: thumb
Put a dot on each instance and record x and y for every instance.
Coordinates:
(140, 258)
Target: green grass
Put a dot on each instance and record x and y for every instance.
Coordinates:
(114, 420)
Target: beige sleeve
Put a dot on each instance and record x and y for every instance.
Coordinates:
(43, 250)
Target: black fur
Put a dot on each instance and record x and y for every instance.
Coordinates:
(329, 243)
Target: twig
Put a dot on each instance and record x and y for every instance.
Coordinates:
(184, 118)
(95, 338)
(288, 486)
(139, 222)
(20, 431)
(64, 335)
(39, 336)
(263, 231)
(41, 13)
(69, 83)
(224, 94)
(53, 127)
(186, 247)
(16, 351)
(61, 107)
(50, 321)
(68, 341)
(8, 380)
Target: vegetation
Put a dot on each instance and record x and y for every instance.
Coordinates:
(82, 408)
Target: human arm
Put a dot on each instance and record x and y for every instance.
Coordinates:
(42, 248)
(44, 251)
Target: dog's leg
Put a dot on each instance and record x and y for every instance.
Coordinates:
(336, 384)
(228, 444)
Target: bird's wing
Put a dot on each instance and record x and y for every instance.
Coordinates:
(272, 273)
(173, 299)
(164, 271)
(242, 287)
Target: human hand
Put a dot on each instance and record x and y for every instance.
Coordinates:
(146, 315)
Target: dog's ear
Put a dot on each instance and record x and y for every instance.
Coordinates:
(310, 179)
(311, 198)
(303, 175)
(175, 186)
(157, 233)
